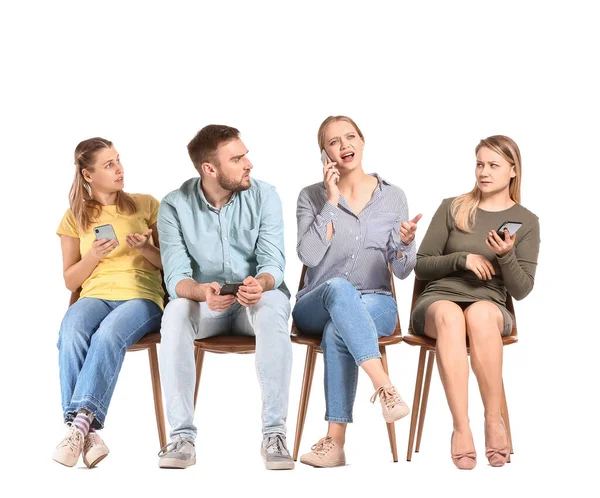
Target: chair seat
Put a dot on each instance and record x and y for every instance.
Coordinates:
(146, 341)
(314, 340)
(429, 343)
(227, 344)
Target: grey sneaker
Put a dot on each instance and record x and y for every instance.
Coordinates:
(178, 454)
(275, 453)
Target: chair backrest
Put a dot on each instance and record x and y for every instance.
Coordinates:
(419, 287)
(397, 330)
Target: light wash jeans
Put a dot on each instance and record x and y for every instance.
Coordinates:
(350, 323)
(93, 339)
(186, 320)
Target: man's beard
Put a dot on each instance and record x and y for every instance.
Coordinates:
(232, 185)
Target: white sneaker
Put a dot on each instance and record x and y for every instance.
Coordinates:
(69, 449)
(94, 449)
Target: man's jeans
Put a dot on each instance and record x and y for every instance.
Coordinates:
(350, 323)
(94, 337)
(186, 320)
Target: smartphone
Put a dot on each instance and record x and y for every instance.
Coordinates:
(230, 288)
(512, 227)
(105, 232)
(325, 158)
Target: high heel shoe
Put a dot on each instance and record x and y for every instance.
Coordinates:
(464, 461)
(498, 456)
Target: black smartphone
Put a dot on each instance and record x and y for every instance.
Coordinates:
(230, 288)
(105, 232)
(512, 227)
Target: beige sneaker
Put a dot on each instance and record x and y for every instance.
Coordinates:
(94, 449)
(69, 449)
(326, 453)
(392, 405)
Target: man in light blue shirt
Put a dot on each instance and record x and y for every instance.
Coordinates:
(223, 228)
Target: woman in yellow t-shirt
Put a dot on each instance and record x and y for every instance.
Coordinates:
(110, 253)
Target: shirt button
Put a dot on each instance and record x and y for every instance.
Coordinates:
(346, 273)
(353, 256)
(357, 237)
(225, 238)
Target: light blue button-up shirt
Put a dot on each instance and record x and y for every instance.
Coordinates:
(243, 238)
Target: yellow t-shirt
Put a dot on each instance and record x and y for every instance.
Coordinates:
(124, 273)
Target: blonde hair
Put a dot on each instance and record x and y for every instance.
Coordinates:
(333, 119)
(85, 209)
(464, 207)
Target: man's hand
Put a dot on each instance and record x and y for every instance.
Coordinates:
(249, 293)
(216, 302)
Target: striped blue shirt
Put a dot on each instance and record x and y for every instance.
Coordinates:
(361, 246)
(243, 238)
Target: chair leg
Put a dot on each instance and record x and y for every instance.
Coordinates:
(199, 357)
(309, 370)
(156, 392)
(504, 412)
(390, 427)
(423, 408)
(416, 402)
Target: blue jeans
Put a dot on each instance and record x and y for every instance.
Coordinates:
(350, 323)
(94, 337)
(186, 320)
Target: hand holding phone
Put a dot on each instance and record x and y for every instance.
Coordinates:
(511, 226)
(105, 232)
(499, 241)
(230, 289)
(331, 176)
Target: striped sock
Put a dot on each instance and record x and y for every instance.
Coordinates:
(83, 421)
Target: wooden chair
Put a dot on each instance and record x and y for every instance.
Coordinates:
(148, 342)
(313, 346)
(428, 344)
(220, 344)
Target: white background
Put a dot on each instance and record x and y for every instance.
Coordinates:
(425, 81)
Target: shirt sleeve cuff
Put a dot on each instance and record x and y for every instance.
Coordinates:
(275, 272)
(328, 213)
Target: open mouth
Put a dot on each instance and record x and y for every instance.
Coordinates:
(347, 157)
(119, 180)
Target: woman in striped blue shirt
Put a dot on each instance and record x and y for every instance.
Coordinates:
(351, 226)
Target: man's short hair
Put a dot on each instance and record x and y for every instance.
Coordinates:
(203, 147)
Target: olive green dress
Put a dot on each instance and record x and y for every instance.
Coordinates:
(442, 259)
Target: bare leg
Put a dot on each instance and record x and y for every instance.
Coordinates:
(375, 371)
(338, 432)
(484, 325)
(445, 322)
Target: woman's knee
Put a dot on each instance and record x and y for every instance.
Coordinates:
(339, 288)
(445, 316)
(483, 317)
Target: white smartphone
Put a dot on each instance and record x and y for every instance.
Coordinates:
(105, 232)
(512, 227)
(325, 158)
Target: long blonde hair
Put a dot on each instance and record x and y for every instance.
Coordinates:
(464, 207)
(85, 209)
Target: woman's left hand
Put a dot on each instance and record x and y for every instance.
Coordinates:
(408, 229)
(500, 246)
(139, 241)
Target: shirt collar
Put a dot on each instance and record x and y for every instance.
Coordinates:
(203, 200)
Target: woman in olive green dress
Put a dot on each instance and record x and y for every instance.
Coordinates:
(470, 269)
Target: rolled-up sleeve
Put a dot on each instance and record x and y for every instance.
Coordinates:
(270, 252)
(404, 264)
(174, 255)
(312, 229)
